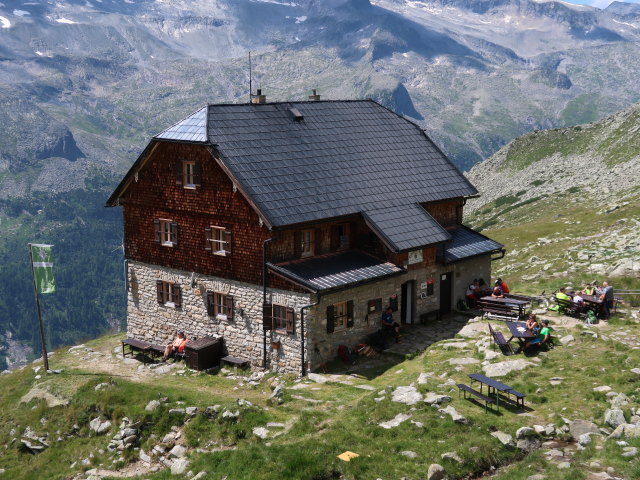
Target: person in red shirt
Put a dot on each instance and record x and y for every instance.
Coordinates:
(503, 286)
(177, 346)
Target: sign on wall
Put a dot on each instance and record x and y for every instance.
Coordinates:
(415, 257)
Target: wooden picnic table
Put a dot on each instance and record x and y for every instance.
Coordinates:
(497, 386)
(592, 302)
(519, 332)
(521, 305)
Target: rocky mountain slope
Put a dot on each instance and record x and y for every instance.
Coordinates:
(567, 200)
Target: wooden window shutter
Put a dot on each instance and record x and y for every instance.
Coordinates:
(197, 173)
(208, 237)
(174, 233)
(335, 237)
(178, 172)
(228, 303)
(331, 318)
(156, 230)
(160, 291)
(177, 295)
(291, 320)
(267, 316)
(226, 237)
(350, 314)
(297, 244)
(211, 311)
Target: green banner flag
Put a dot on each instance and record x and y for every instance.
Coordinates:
(43, 268)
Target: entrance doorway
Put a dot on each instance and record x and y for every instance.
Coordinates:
(446, 292)
(407, 302)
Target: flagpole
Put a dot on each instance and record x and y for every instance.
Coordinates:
(35, 292)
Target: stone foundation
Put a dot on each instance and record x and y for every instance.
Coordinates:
(243, 336)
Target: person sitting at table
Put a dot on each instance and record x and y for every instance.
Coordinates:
(544, 336)
(484, 288)
(503, 285)
(577, 298)
(589, 289)
(176, 346)
(497, 292)
(473, 293)
(532, 323)
(389, 325)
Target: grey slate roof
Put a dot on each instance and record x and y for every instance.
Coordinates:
(329, 272)
(466, 243)
(341, 158)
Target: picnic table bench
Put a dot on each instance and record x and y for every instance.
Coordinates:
(467, 389)
(143, 347)
(497, 387)
(498, 339)
(501, 310)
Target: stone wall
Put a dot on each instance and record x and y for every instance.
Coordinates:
(323, 346)
(243, 336)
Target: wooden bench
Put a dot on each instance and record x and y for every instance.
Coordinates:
(498, 339)
(567, 307)
(503, 312)
(467, 389)
(143, 347)
(235, 361)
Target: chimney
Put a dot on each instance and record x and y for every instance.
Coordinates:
(314, 97)
(258, 97)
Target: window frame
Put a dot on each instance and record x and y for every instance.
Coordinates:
(166, 232)
(307, 245)
(189, 173)
(168, 293)
(220, 237)
(284, 322)
(340, 320)
(220, 306)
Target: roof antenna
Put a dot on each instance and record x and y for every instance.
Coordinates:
(250, 81)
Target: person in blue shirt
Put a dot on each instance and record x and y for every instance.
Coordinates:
(388, 324)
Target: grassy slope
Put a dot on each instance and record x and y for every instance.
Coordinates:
(345, 418)
(617, 140)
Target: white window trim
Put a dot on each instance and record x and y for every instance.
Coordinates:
(164, 234)
(218, 243)
(185, 175)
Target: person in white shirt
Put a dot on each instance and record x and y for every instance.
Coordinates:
(577, 298)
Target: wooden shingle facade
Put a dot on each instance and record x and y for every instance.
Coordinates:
(287, 227)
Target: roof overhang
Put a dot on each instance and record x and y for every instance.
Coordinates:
(336, 271)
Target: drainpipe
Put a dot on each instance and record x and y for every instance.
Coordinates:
(303, 371)
(264, 299)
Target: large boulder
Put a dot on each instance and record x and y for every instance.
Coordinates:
(580, 427)
(435, 472)
(614, 417)
(501, 369)
(407, 395)
(504, 438)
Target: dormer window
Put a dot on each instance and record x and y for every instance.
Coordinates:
(188, 174)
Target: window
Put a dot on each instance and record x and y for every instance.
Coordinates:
(188, 173)
(339, 316)
(220, 306)
(218, 240)
(169, 293)
(166, 232)
(278, 317)
(340, 236)
(306, 245)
